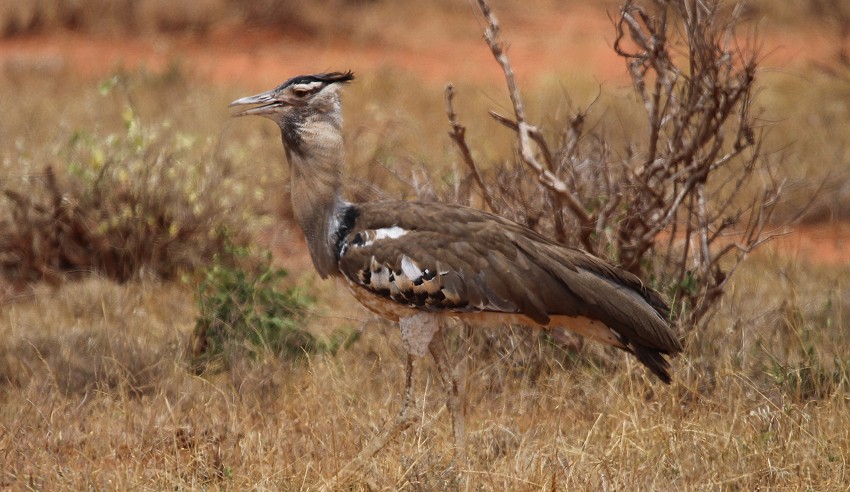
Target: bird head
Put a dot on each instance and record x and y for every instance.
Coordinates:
(305, 94)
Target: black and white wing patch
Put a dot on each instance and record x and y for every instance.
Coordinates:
(380, 261)
(430, 270)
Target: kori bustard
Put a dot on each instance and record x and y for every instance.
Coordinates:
(419, 263)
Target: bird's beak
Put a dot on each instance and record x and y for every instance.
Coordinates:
(269, 102)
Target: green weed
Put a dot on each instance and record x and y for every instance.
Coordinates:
(245, 311)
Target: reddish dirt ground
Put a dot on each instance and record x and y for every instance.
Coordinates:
(578, 40)
(823, 244)
(263, 57)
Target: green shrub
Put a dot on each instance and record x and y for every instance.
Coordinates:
(241, 310)
(244, 312)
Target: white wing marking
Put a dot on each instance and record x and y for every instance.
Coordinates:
(410, 269)
(369, 237)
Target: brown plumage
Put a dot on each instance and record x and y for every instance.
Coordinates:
(417, 263)
(455, 260)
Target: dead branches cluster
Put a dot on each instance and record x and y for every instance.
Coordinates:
(679, 206)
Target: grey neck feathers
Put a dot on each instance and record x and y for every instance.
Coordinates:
(314, 149)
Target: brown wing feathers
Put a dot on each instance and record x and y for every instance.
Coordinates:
(440, 257)
(621, 302)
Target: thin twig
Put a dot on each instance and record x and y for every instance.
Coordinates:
(458, 135)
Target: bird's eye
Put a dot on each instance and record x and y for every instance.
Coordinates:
(300, 92)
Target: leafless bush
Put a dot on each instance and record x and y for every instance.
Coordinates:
(669, 207)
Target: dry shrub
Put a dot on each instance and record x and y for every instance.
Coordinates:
(118, 205)
(666, 207)
(164, 16)
(21, 18)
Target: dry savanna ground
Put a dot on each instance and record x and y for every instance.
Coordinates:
(98, 386)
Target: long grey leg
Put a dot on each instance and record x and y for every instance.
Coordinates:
(402, 422)
(455, 401)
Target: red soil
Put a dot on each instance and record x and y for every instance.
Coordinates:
(824, 244)
(578, 40)
(264, 57)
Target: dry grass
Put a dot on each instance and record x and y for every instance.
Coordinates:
(96, 390)
(99, 396)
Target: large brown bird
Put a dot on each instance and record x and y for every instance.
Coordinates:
(419, 263)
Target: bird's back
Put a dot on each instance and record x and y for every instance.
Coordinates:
(458, 260)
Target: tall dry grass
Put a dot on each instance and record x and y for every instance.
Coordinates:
(101, 398)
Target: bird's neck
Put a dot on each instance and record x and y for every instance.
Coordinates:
(314, 149)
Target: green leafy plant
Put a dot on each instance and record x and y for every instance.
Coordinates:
(245, 312)
(242, 310)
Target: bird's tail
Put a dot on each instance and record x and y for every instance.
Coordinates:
(654, 360)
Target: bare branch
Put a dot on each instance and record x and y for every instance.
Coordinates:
(535, 134)
(458, 135)
(524, 130)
